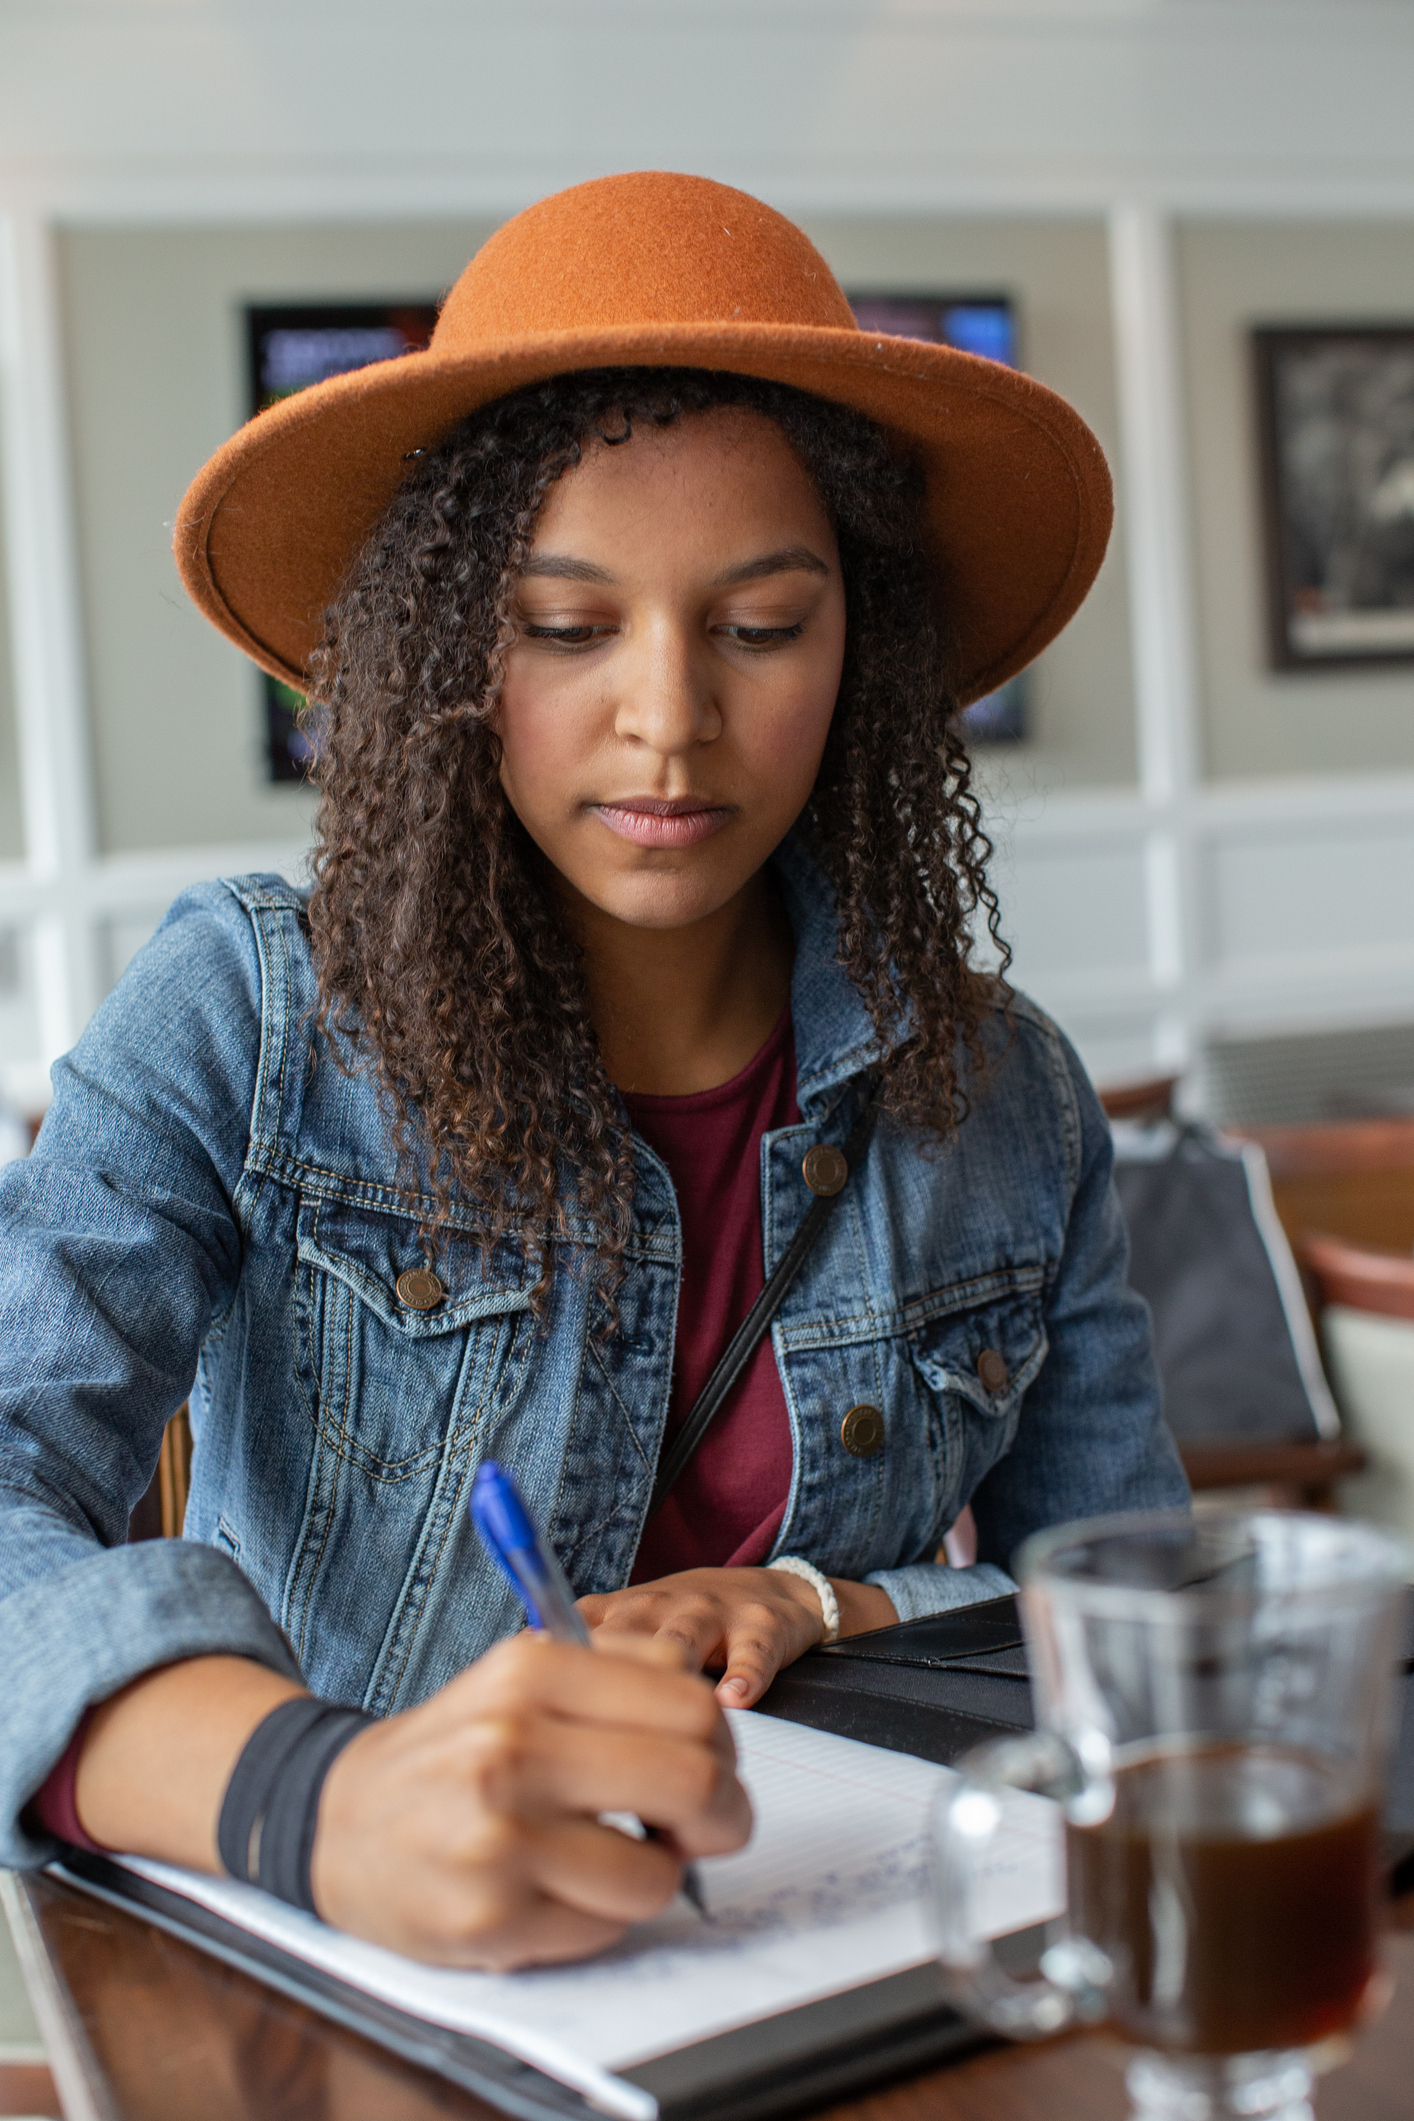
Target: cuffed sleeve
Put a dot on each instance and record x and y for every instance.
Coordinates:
(120, 1250)
(77, 1636)
(926, 1587)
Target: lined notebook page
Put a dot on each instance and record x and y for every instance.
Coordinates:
(828, 1894)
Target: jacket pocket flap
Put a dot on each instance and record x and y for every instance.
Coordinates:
(368, 1253)
(990, 1352)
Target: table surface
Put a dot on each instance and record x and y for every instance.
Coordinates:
(157, 2031)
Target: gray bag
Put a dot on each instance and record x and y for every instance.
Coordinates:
(1234, 1340)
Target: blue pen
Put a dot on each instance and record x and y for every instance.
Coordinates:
(535, 1573)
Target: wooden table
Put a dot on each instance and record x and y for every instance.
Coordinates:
(155, 2031)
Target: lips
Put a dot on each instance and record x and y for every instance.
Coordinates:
(649, 821)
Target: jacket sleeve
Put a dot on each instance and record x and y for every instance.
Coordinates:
(1091, 1437)
(120, 1250)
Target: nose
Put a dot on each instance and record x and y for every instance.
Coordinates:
(667, 696)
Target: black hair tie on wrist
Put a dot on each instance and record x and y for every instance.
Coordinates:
(265, 1834)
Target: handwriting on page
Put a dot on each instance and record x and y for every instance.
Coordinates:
(829, 1893)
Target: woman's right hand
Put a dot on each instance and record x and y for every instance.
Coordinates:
(466, 1831)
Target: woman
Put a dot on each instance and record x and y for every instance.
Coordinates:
(645, 887)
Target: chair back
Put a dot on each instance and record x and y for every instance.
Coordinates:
(1365, 1300)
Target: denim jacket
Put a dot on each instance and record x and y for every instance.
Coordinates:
(214, 1209)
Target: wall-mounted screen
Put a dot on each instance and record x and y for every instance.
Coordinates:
(288, 347)
(977, 324)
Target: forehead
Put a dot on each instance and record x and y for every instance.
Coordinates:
(728, 469)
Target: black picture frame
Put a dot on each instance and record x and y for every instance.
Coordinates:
(1335, 418)
(290, 345)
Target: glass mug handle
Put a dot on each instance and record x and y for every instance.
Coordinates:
(1071, 1984)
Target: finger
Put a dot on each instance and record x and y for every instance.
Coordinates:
(530, 1672)
(533, 1928)
(690, 1624)
(550, 1933)
(648, 1649)
(756, 1650)
(603, 1872)
(686, 1787)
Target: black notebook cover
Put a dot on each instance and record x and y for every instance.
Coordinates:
(930, 1687)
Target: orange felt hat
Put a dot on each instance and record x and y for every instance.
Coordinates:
(654, 270)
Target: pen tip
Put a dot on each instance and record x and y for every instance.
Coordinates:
(692, 1888)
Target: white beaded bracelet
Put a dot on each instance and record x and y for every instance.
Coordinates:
(792, 1565)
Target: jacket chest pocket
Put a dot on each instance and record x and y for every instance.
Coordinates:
(980, 1349)
(389, 1356)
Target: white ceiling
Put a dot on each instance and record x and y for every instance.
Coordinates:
(187, 108)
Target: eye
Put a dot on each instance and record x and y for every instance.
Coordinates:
(764, 636)
(563, 636)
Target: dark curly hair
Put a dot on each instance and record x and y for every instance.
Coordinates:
(437, 947)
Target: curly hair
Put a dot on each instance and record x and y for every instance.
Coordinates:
(437, 948)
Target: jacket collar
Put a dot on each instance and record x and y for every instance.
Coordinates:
(834, 1038)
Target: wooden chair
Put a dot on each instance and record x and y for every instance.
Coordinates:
(1301, 1473)
(1144, 1101)
(1365, 1306)
(1351, 1179)
(163, 1508)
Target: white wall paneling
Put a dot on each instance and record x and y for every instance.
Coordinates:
(46, 633)
(1147, 914)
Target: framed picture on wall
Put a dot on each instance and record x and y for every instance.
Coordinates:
(977, 324)
(288, 347)
(1336, 417)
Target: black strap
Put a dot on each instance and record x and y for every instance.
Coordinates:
(748, 1335)
(265, 1833)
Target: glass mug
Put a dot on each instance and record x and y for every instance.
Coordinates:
(1213, 1698)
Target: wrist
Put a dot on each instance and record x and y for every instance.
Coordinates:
(863, 1607)
(159, 1753)
(270, 1813)
(813, 1590)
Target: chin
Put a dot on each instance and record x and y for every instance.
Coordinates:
(664, 901)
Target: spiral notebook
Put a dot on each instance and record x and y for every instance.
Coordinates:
(818, 1954)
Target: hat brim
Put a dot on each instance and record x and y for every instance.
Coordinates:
(1019, 496)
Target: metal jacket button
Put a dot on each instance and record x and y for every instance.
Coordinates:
(825, 1170)
(992, 1370)
(420, 1289)
(862, 1432)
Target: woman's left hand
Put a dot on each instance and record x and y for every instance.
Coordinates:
(751, 1621)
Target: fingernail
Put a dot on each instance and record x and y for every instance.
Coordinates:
(734, 1686)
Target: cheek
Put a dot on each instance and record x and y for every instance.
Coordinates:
(542, 743)
(785, 745)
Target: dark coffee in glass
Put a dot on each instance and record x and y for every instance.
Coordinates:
(1234, 1891)
(1213, 1698)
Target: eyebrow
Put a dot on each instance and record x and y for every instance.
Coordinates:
(791, 559)
(563, 567)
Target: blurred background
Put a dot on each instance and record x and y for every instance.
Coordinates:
(1195, 218)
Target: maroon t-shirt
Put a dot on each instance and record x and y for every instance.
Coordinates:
(727, 1508)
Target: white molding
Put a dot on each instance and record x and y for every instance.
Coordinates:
(193, 194)
(46, 627)
(1154, 520)
(129, 883)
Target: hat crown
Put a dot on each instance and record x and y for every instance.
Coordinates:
(643, 249)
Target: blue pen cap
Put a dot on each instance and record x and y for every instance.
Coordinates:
(499, 1513)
